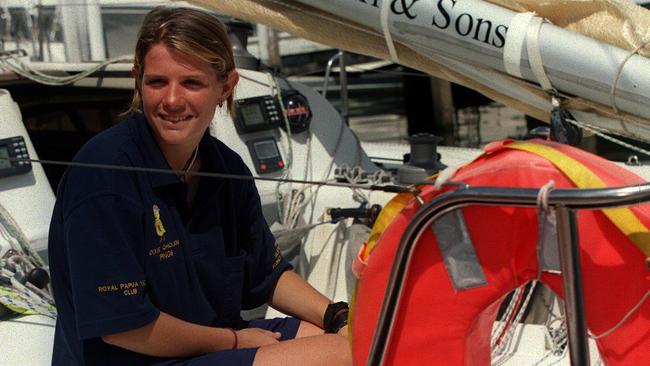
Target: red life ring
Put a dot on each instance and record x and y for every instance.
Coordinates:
(438, 325)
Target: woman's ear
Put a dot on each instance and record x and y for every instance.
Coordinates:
(229, 85)
(136, 75)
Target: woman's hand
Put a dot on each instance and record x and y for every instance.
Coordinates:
(256, 337)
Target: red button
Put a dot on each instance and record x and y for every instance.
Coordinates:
(262, 166)
(280, 164)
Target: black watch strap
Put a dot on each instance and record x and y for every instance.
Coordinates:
(336, 317)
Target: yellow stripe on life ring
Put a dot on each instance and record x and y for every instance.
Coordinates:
(623, 218)
(386, 216)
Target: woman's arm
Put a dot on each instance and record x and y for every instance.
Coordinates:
(168, 336)
(294, 296)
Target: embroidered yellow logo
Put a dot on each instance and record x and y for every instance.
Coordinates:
(160, 229)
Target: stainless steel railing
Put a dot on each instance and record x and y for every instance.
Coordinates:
(565, 201)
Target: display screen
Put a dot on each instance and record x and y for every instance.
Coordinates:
(4, 154)
(266, 149)
(252, 114)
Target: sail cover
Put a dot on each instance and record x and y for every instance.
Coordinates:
(582, 47)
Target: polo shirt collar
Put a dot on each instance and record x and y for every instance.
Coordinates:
(212, 161)
(153, 157)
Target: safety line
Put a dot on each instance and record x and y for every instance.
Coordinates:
(602, 133)
(373, 187)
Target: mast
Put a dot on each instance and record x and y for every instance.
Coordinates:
(269, 47)
(95, 31)
(82, 30)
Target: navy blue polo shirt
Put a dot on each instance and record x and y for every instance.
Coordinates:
(124, 246)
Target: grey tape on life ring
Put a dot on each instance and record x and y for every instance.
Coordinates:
(458, 251)
(548, 247)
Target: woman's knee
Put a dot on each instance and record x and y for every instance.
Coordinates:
(325, 349)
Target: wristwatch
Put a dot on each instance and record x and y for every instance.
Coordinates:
(336, 317)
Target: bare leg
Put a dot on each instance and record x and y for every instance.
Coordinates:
(324, 349)
(307, 329)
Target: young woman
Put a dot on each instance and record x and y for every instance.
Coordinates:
(152, 268)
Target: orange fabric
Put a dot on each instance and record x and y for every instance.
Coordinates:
(583, 177)
(437, 325)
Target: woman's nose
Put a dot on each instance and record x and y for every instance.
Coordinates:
(173, 98)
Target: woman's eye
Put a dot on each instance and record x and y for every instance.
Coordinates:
(154, 82)
(193, 83)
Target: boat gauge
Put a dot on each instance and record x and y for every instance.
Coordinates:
(14, 148)
(296, 108)
(265, 154)
(257, 114)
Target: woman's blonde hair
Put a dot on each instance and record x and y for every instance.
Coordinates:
(191, 31)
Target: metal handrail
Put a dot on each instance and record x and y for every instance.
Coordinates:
(328, 70)
(566, 201)
(343, 82)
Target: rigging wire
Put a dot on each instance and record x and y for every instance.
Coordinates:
(359, 68)
(370, 187)
(605, 134)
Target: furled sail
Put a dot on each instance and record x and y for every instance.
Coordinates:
(517, 52)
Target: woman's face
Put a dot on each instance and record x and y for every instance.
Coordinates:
(180, 93)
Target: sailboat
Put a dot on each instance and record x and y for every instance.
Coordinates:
(327, 224)
(575, 63)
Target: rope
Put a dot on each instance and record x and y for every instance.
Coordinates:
(504, 340)
(12, 62)
(16, 293)
(542, 196)
(383, 18)
(612, 93)
(598, 132)
(10, 227)
(502, 329)
(544, 212)
(623, 320)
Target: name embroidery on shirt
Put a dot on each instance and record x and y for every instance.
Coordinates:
(165, 251)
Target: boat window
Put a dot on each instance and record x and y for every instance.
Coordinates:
(94, 120)
(60, 120)
(53, 121)
(121, 26)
